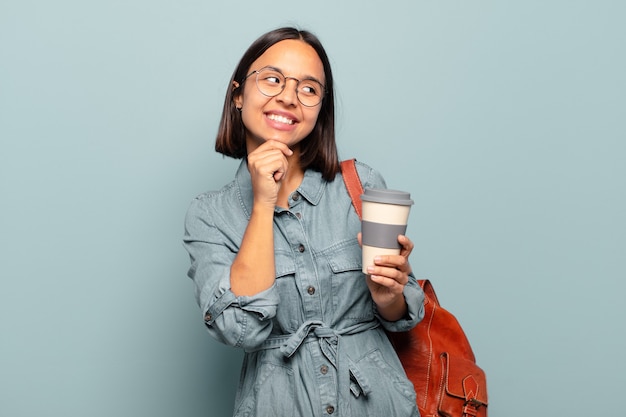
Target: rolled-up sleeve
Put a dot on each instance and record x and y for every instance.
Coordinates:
(212, 244)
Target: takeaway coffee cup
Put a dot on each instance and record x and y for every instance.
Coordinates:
(385, 214)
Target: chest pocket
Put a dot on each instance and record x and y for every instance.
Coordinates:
(352, 302)
(289, 312)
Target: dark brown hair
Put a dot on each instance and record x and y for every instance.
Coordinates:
(318, 149)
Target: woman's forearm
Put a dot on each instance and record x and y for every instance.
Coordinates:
(253, 269)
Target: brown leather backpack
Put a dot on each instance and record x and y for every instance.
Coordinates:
(436, 354)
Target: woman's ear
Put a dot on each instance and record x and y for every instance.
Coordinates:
(237, 96)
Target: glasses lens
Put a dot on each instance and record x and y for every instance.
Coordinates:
(310, 92)
(270, 82)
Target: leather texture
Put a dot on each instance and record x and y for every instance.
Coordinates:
(436, 354)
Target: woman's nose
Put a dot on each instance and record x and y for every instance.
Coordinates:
(289, 95)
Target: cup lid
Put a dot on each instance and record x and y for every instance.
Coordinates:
(386, 196)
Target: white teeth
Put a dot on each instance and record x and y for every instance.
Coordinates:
(281, 119)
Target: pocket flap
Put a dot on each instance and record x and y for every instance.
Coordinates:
(344, 257)
(464, 380)
(284, 264)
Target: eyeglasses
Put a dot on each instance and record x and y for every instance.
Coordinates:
(271, 82)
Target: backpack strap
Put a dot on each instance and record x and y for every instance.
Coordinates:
(353, 183)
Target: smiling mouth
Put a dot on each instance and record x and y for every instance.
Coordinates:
(280, 119)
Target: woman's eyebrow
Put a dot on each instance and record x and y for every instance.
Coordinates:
(306, 77)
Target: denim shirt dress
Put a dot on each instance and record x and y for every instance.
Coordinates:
(314, 343)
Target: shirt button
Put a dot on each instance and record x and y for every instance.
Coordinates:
(324, 369)
(295, 196)
(301, 248)
(208, 317)
(299, 215)
(330, 409)
(311, 290)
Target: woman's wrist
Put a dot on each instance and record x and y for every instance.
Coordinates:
(394, 310)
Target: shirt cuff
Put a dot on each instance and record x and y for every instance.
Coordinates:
(264, 304)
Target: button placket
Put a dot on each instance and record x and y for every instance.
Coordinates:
(293, 230)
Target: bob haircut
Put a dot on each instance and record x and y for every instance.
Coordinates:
(318, 149)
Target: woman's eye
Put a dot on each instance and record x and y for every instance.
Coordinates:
(272, 79)
(309, 89)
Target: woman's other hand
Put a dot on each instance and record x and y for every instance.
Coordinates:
(386, 280)
(268, 166)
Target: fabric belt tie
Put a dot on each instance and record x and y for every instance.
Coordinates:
(329, 341)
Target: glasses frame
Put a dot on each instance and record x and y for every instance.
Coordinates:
(257, 72)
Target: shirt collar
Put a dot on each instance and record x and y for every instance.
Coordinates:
(311, 188)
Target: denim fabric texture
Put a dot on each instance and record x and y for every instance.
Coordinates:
(314, 343)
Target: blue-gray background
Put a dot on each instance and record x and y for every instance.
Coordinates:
(505, 120)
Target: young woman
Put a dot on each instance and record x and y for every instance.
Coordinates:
(275, 254)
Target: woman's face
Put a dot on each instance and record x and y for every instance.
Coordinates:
(282, 117)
